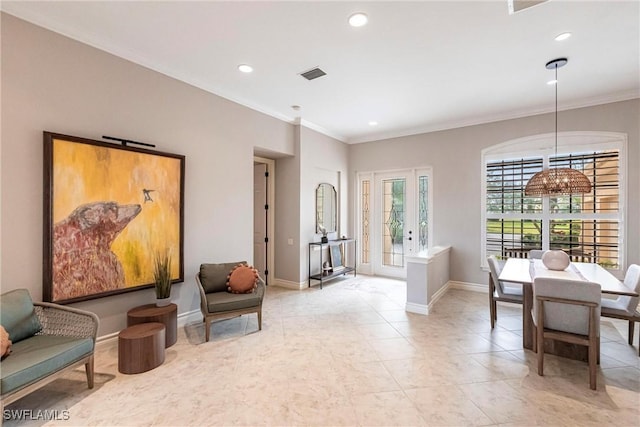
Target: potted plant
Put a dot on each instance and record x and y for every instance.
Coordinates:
(162, 278)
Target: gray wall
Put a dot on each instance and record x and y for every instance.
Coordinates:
(50, 82)
(319, 158)
(323, 159)
(287, 220)
(455, 156)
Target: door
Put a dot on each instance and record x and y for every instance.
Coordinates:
(394, 223)
(260, 218)
(400, 220)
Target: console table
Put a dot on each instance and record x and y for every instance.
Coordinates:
(167, 315)
(347, 250)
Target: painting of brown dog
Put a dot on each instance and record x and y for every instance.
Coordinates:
(108, 210)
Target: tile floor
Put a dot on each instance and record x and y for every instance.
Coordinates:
(350, 355)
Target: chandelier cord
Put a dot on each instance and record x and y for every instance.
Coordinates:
(556, 67)
(558, 179)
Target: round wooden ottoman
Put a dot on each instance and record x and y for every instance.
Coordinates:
(167, 315)
(141, 348)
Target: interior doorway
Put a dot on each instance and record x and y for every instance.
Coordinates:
(263, 217)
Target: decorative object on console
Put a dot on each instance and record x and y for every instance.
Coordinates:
(557, 180)
(323, 230)
(335, 255)
(556, 260)
(326, 268)
(243, 279)
(96, 191)
(162, 278)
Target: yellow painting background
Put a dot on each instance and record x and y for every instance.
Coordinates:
(84, 173)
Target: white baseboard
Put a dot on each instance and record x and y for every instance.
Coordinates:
(106, 338)
(439, 294)
(289, 284)
(466, 286)
(193, 316)
(412, 307)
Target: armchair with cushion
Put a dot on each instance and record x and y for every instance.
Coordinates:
(218, 302)
(46, 340)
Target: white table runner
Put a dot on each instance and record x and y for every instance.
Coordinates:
(570, 273)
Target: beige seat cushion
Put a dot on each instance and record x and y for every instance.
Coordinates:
(219, 302)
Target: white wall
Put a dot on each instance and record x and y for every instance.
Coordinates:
(455, 156)
(52, 83)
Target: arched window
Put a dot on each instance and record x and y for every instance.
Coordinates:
(590, 227)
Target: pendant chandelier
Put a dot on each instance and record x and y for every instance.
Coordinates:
(557, 180)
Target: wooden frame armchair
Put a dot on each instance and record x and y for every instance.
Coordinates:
(217, 303)
(63, 339)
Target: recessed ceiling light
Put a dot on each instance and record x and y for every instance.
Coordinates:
(358, 19)
(562, 36)
(552, 82)
(245, 68)
(373, 123)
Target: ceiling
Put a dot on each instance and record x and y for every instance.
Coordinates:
(416, 67)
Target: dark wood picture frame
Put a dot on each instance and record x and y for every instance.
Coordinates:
(109, 211)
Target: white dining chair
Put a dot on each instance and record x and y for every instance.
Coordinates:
(500, 290)
(568, 311)
(626, 307)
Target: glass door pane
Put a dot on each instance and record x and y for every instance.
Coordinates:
(423, 213)
(394, 192)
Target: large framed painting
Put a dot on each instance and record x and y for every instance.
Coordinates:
(109, 211)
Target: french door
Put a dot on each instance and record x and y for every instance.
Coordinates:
(394, 219)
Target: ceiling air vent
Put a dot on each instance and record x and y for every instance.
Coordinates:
(314, 73)
(518, 5)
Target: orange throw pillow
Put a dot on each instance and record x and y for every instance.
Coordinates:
(5, 342)
(243, 279)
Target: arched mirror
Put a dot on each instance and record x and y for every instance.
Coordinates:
(326, 208)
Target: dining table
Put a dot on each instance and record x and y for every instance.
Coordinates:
(524, 270)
